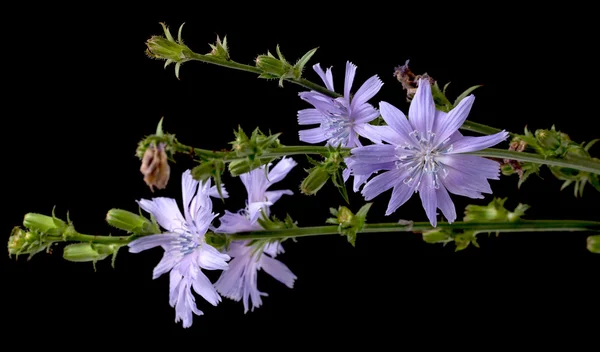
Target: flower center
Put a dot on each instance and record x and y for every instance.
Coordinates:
(337, 124)
(420, 156)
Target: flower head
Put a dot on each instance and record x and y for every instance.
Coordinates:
(341, 120)
(239, 282)
(425, 154)
(155, 167)
(186, 251)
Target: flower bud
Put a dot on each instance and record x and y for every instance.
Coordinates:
(131, 222)
(166, 48)
(23, 242)
(316, 179)
(44, 224)
(436, 236)
(88, 252)
(273, 67)
(549, 139)
(155, 166)
(242, 166)
(593, 244)
(208, 169)
(219, 49)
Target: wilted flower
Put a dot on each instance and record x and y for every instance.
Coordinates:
(239, 282)
(426, 154)
(186, 251)
(155, 167)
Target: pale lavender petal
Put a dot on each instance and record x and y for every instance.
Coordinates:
(278, 270)
(359, 180)
(230, 282)
(273, 249)
(400, 195)
(213, 192)
(167, 263)
(188, 188)
(346, 173)
(234, 223)
(273, 196)
(368, 131)
(367, 169)
(421, 112)
(175, 278)
(398, 122)
(210, 258)
(313, 135)
(472, 165)
(250, 286)
(471, 144)
(376, 153)
(151, 241)
(366, 91)
(202, 220)
(350, 72)
(325, 104)
(445, 204)
(256, 209)
(382, 183)
(205, 288)
(463, 184)
(453, 120)
(364, 113)
(326, 77)
(428, 197)
(279, 171)
(166, 212)
(310, 117)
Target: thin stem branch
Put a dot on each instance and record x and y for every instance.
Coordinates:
(579, 164)
(419, 227)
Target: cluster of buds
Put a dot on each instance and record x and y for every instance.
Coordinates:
(494, 211)
(39, 233)
(555, 144)
(349, 224)
(249, 150)
(278, 68)
(321, 172)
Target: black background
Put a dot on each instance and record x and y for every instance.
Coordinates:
(81, 94)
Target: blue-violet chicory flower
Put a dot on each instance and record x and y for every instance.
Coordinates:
(239, 282)
(186, 251)
(426, 154)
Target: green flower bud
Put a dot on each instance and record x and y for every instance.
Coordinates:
(88, 252)
(131, 222)
(241, 166)
(549, 139)
(273, 67)
(316, 179)
(494, 211)
(24, 242)
(44, 224)
(436, 236)
(219, 49)
(166, 48)
(593, 244)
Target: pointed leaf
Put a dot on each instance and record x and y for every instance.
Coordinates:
(466, 93)
(304, 60)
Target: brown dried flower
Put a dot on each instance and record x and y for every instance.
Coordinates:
(155, 167)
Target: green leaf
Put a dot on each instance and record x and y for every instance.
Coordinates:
(159, 128)
(466, 93)
(304, 60)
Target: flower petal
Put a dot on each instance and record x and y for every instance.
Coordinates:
(256, 209)
(366, 92)
(167, 263)
(400, 195)
(230, 282)
(273, 196)
(151, 241)
(349, 79)
(364, 113)
(460, 183)
(280, 171)
(376, 153)
(398, 122)
(313, 135)
(445, 204)
(471, 144)
(428, 197)
(234, 223)
(382, 183)
(453, 120)
(472, 165)
(421, 112)
(210, 258)
(278, 270)
(326, 77)
(205, 288)
(310, 117)
(166, 212)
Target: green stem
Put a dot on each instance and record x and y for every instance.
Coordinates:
(419, 227)
(71, 235)
(468, 125)
(579, 164)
